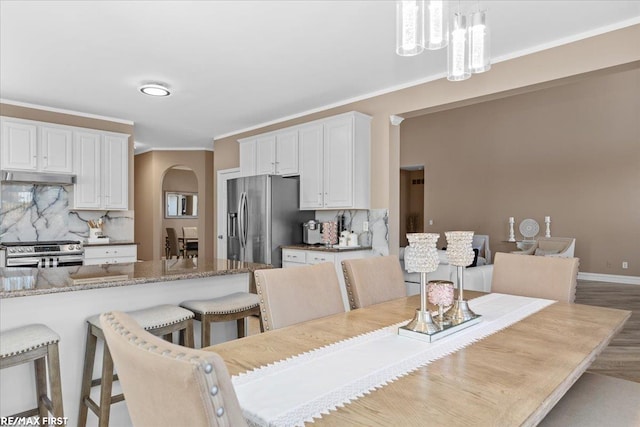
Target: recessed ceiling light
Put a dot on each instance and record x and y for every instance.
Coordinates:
(154, 89)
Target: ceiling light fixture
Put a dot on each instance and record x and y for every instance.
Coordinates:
(424, 24)
(154, 89)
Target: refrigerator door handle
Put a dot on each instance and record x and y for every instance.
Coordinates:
(240, 221)
(245, 219)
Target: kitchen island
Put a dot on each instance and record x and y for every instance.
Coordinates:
(63, 298)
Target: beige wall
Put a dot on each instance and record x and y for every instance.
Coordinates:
(79, 121)
(571, 152)
(411, 203)
(546, 68)
(549, 67)
(150, 169)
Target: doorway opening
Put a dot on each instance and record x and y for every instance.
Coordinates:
(411, 201)
(180, 212)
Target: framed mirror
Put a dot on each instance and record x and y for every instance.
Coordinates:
(180, 205)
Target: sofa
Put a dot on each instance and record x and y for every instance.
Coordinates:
(476, 278)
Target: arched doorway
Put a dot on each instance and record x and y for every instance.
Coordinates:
(180, 210)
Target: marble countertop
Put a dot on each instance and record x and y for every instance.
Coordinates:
(21, 282)
(323, 248)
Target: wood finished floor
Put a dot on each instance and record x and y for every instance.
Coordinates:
(621, 358)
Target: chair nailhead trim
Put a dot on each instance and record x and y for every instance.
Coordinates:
(208, 368)
(220, 412)
(214, 389)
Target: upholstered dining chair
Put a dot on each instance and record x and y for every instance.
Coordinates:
(297, 294)
(190, 241)
(535, 276)
(166, 384)
(172, 240)
(373, 280)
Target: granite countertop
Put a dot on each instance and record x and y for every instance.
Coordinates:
(322, 248)
(111, 243)
(20, 282)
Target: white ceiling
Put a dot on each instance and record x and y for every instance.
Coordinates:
(234, 65)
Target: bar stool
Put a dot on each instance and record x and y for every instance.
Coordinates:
(160, 320)
(235, 306)
(35, 343)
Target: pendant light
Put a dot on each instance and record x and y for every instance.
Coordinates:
(457, 52)
(409, 27)
(479, 47)
(437, 24)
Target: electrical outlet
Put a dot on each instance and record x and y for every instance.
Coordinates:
(430, 222)
(365, 226)
(608, 264)
(625, 264)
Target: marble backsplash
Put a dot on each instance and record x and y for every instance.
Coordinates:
(41, 212)
(378, 235)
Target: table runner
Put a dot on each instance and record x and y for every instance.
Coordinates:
(295, 390)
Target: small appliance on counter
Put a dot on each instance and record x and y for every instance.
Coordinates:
(311, 232)
(95, 232)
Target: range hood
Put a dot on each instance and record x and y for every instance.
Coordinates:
(38, 178)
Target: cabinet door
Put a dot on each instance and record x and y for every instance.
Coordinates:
(56, 149)
(19, 145)
(115, 175)
(311, 153)
(248, 157)
(338, 163)
(87, 167)
(266, 155)
(287, 153)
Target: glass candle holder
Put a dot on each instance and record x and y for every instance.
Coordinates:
(441, 294)
(460, 253)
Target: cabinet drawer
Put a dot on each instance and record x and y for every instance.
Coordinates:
(127, 251)
(293, 256)
(316, 257)
(114, 260)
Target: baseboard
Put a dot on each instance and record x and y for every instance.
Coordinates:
(613, 278)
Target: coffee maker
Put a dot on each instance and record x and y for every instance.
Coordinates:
(311, 232)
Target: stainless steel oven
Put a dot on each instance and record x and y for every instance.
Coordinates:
(61, 253)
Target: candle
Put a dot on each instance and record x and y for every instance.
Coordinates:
(547, 219)
(511, 220)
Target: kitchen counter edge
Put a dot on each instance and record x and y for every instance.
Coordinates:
(303, 247)
(57, 280)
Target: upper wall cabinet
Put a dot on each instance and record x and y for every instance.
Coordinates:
(36, 146)
(273, 154)
(335, 155)
(332, 157)
(101, 166)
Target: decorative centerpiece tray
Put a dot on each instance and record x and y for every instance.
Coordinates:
(446, 330)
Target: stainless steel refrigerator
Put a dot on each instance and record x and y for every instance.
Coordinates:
(263, 214)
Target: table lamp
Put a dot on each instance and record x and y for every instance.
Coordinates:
(421, 257)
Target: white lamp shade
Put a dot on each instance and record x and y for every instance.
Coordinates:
(436, 31)
(409, 27)
(479, 45)
(457, 51)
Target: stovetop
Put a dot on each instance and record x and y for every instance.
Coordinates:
(42, 243)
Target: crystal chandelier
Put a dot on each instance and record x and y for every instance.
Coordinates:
(427, 24)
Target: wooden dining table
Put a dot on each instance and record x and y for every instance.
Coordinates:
(511, 378)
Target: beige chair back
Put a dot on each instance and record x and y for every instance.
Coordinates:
(297, 294)
(166, 384)
(373, 280)
(535, 276)
(190, 232)
(172, 236)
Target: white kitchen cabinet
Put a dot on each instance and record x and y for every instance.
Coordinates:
(335, 163)
(248, 157)
(275, 153)
(101, 167)
(110, 254)
(298, 258)
(36, 146)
